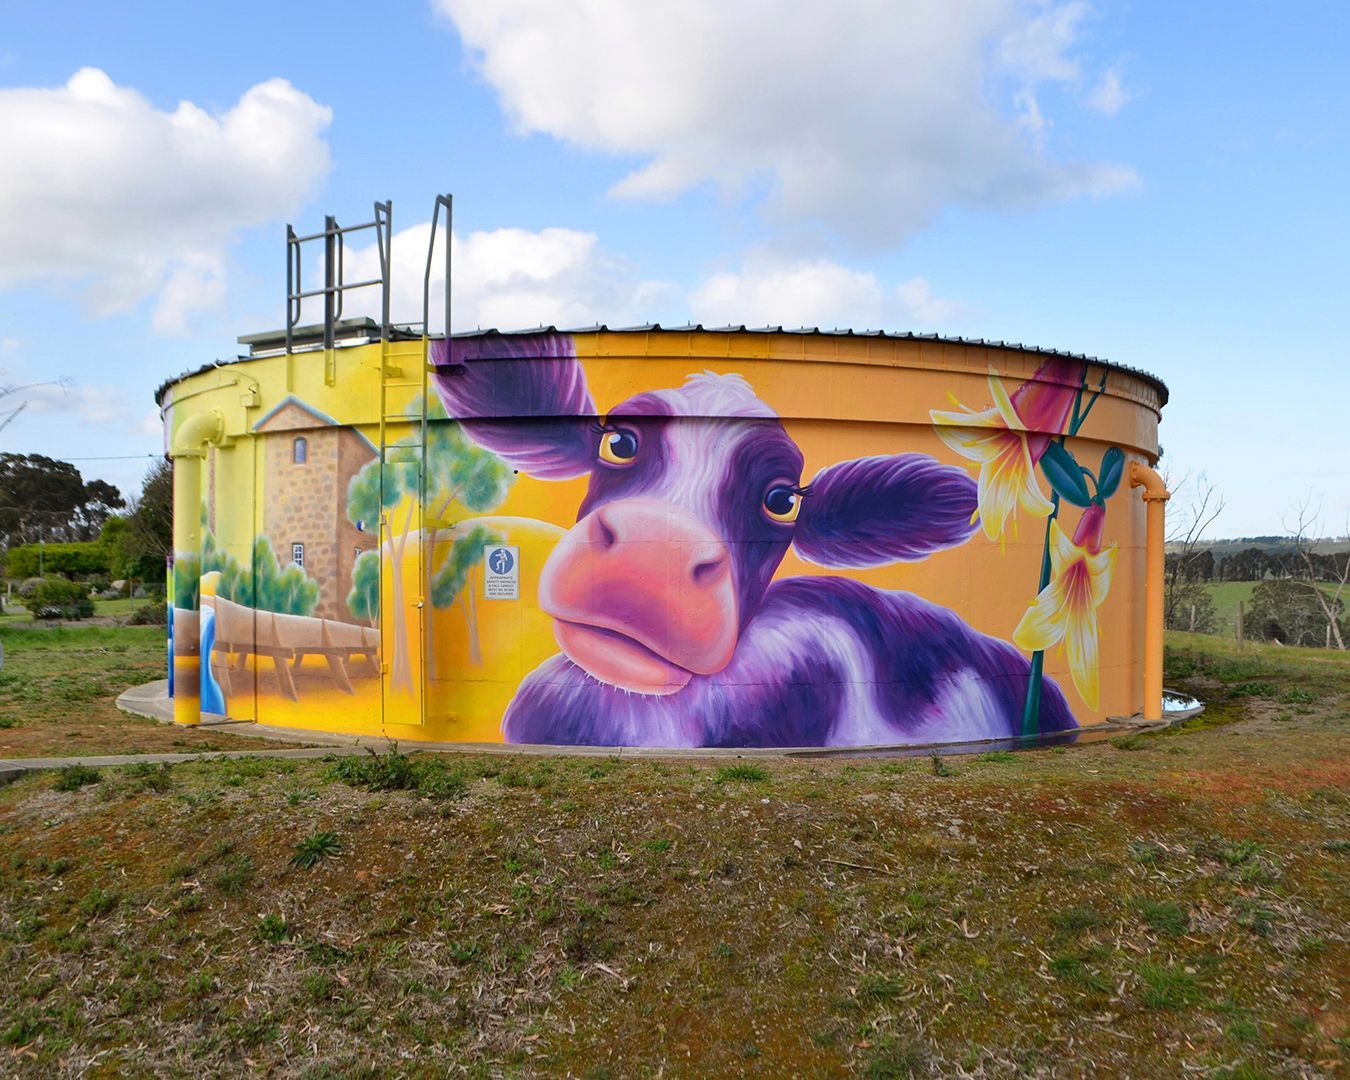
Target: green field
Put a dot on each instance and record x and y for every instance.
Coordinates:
(1172, 904)
(1228, 594)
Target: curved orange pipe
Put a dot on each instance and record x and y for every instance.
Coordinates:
(1155, 497)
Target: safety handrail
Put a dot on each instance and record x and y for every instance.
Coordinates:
(448, 201)
(335, 286)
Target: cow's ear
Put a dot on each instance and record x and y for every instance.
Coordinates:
(877, 510)
(523, 396)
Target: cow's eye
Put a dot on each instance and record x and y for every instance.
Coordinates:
(618, 447)
(783, 503)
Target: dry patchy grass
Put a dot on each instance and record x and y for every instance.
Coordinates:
(1179, 909)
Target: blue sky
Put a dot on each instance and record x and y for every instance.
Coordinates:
(1160, 185)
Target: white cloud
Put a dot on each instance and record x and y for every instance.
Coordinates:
(195, 285)
(922, 307)
(816, 293)
(867, 117)
(515, 279)
(152, 423)
(509, 279)
(92, 403)
(1108, 97)
(102, 190)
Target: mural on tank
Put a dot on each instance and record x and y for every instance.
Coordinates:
(672, 628)
(683, 578)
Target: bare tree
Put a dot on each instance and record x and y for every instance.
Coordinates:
(1310, 568)
(9, 392)
(1194, 506)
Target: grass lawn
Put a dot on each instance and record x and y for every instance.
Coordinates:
(16, 615)
(58, 687)
(1173, 904)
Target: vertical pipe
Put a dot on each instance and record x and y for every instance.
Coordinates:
(330, 242)
(187, 500)
(1155, 497)
(189, 453)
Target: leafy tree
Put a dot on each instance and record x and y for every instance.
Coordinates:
(1191, 608)
(38, 497)
(148, 538)
(1286, 611)
(42, 498)
(101, 501)
(69, 560)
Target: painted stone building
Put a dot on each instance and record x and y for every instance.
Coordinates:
(309, 460)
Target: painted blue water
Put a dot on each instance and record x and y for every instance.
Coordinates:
(213, 697)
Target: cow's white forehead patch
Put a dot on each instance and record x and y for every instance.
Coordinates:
(710, 394)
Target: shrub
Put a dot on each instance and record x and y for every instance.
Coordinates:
(273, 928)
(744, 773)
(56, 598)
(74, 777)
(314, 848)
(429, 776)
(152, 614)
(98, 901)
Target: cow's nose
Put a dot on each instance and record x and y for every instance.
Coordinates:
(656, 534)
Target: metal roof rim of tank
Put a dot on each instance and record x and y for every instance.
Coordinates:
(353, 335)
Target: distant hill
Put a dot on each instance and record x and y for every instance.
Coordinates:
(1271, 545)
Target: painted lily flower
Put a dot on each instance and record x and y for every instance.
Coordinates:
(1066, 609)
(1008, 439)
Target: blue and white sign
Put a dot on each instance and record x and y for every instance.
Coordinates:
(501, 572)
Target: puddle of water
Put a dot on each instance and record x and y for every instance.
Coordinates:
(1176, 702)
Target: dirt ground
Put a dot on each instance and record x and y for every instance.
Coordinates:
(1161, 905)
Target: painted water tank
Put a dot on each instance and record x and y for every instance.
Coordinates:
(659, 537)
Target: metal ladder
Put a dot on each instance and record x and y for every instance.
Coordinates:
(395, 450)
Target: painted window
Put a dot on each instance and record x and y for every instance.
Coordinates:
(298, 554)
(299, 451)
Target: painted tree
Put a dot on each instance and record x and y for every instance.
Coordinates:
(460, 472)
(364, 599)
(452, 582)
(372, 494)
(264, 585)
(286, 590)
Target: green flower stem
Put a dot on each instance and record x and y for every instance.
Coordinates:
(1031, 711)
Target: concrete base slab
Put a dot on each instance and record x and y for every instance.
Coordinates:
(152, 700)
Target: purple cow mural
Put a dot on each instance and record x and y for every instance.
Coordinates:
(672, 629)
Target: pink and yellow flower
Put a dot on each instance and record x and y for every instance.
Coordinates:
(1066, 609)
(1008, 439)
